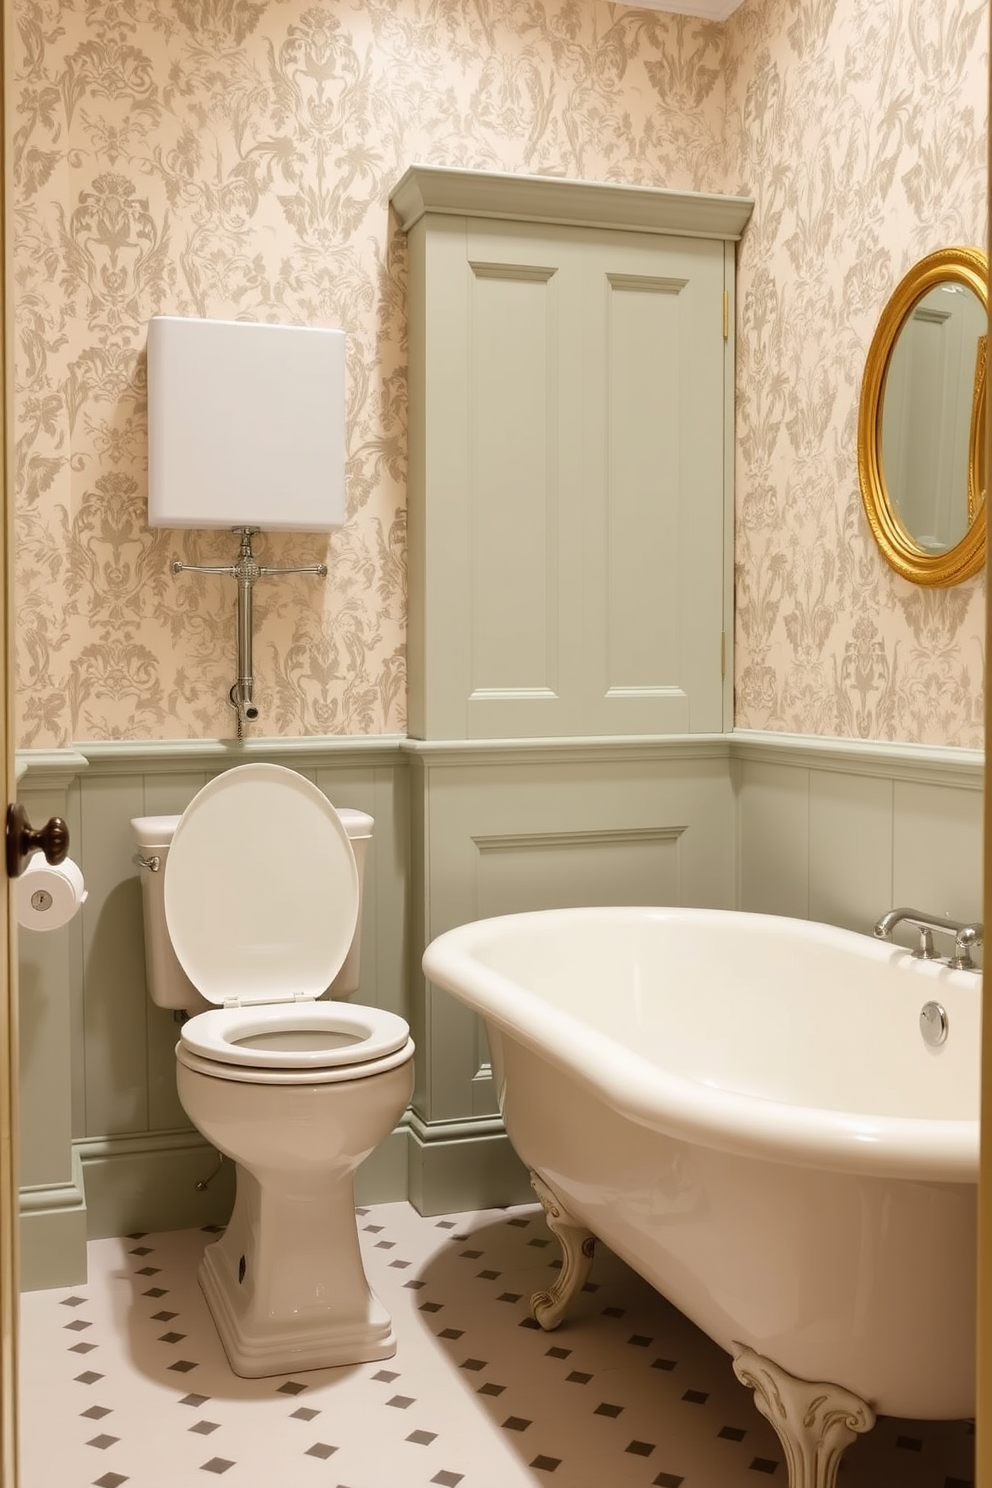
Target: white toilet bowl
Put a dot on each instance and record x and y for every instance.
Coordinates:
(261, 898)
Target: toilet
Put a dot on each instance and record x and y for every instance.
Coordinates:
(252, 906)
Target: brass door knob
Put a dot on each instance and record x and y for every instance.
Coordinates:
(23, 840)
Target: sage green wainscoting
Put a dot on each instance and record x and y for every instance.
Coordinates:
(829, 829)
(498, 828)
(841, 831)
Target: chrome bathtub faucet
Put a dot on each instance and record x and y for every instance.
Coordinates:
(967, 937)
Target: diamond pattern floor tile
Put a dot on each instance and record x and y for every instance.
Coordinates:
(124, 1381)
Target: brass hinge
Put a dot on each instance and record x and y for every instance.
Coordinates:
(726, 314)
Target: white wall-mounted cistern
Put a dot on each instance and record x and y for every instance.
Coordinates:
(246, 431)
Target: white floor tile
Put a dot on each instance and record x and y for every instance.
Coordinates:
(124, 1381)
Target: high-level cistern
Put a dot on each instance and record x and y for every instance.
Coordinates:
(968, 936)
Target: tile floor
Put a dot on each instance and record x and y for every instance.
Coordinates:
(124, 1382)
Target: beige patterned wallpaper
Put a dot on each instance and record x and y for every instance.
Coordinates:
(860, 130)
(233, 158)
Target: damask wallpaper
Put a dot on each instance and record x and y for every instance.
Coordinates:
(861, 132)
(233, 159)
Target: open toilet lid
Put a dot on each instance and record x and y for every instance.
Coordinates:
(261, 888)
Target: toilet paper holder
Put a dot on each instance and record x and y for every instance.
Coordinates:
(23, 840)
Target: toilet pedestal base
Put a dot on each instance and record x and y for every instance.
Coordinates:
(285, 1284)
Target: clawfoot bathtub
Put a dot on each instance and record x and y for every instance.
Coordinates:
(744, 1109)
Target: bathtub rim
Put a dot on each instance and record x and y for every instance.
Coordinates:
(904, 1147)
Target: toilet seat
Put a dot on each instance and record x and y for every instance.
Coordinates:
(261, 897)
(342, 1037)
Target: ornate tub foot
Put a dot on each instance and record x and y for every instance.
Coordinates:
(578, 1246)
(814, 1422)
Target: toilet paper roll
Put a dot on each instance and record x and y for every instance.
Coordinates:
(47, 897)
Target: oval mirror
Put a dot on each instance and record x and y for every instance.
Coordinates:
(921, 421)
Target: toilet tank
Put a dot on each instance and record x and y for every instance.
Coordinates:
(168, 984)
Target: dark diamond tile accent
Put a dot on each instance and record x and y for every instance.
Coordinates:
(509, 1296)
(451, 1333)
(163, 1317)
(614, 1311)
(96, 1412)
(516, 1423)
(909, 1443)
(546, 1464)
(148, 1270)
(216, 1465)
(518, 1224)
(447, 1479)
(89, 1378)
(473, 1364)
(470, 1255)
(204, 1428)
(400, 1401)
(103, 1442)
(136, 1235)
(490, 1389)
(639, 1448)
(430, 1307)
(291, 1387)
(590, 1286)
(488, 1275)
(606, 1409)
(142, 1250)
(156, 1292)
(422, 1438)
(639, 1341)
(303, 1414)
(385, 1245)
(577, 1378)
(109, 1480)
(194, 1400)
(664, 1363)
(77, 1325)
(763, 1465)
(445, 1224)
(414, 1286)
(388, 1375)
(373, 1229)
(539, 1242)
(731, 1433)
(183, 1366)
(360, 1211)
(528, 1322)
(320, 1449)
(668, 1480)
(82, 1348)
(696, 1397)
(72, 1301)
(557, 1353)
(399, 1265)
(171, 1337)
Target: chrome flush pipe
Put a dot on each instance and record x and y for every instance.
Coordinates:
(247, 570)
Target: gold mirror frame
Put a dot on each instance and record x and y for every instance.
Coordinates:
(967, 267)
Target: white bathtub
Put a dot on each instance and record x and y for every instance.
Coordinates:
(744, 1109)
